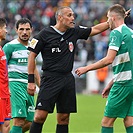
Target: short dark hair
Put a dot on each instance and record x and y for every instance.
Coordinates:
(2, 22)
(23, 21)
(119, 9)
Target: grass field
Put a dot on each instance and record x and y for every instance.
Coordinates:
(87, 119)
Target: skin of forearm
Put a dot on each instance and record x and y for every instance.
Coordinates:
(31, 65)
(37, 77)
(99, 28)
(102, 26)
(100, 64)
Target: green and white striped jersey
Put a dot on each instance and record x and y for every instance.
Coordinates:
(121, 40)
(17, 60)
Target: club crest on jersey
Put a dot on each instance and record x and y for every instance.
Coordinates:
(71, 46)
(33, 43)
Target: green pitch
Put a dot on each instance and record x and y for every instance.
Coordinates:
(87, 119)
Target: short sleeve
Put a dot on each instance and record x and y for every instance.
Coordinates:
(115, 40)
(8, 51)
(36, 44)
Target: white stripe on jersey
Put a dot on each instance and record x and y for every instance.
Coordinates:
(20, 54)
(121, 76)
(121, 58)
(15, 68)
(114, 48)
(20, 80)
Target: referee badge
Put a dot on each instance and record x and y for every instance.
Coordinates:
(33, 43)
(71, 47)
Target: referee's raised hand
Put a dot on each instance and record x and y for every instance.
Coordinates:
(127, 13)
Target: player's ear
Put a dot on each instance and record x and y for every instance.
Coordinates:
(113, 18)
(60, 17)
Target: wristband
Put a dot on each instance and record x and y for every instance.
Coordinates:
(31, 78)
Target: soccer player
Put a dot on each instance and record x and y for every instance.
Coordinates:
(17, 58)
(120, 55)
(5, 107)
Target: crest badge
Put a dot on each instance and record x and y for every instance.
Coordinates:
(71, 46)
(33, 43)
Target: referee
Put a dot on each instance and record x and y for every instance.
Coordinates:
(57, 45)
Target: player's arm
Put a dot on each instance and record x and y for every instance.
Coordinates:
(31, 69)
(99, 64)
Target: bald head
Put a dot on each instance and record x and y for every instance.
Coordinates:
(60, 11)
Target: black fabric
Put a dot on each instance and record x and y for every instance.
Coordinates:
(57, 89)
(31, 78)
(36, 127)
(58, 50)
(61, 128)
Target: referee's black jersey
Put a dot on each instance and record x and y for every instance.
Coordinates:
(58, 49)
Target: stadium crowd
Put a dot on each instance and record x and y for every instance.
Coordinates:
(87, 13)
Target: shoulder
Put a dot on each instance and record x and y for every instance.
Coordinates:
(10, 45)
(119, 29)
(15, 41)
(45, 30)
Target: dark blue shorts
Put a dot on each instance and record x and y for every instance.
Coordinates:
(57, 89)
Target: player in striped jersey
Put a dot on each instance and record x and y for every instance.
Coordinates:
(120, 54)
(17, 59)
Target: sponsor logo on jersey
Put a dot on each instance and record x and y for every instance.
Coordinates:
(71, 46)
(33, 43)
(62, 39)
(22, 60)
(39, 104)
(56, 50)
(19, 53)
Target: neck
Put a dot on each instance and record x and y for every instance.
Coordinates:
(118, 23)
(23, 42)
(59, 27)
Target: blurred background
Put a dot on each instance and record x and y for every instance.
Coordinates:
(87, 13)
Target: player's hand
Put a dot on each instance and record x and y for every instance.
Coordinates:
(105, 92)
(127, 13)
(81, 70)
(31, 88)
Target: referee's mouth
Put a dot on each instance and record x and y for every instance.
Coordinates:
(73, 22)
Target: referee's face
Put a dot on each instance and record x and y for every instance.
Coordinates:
(67, 18)
(24, 32)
